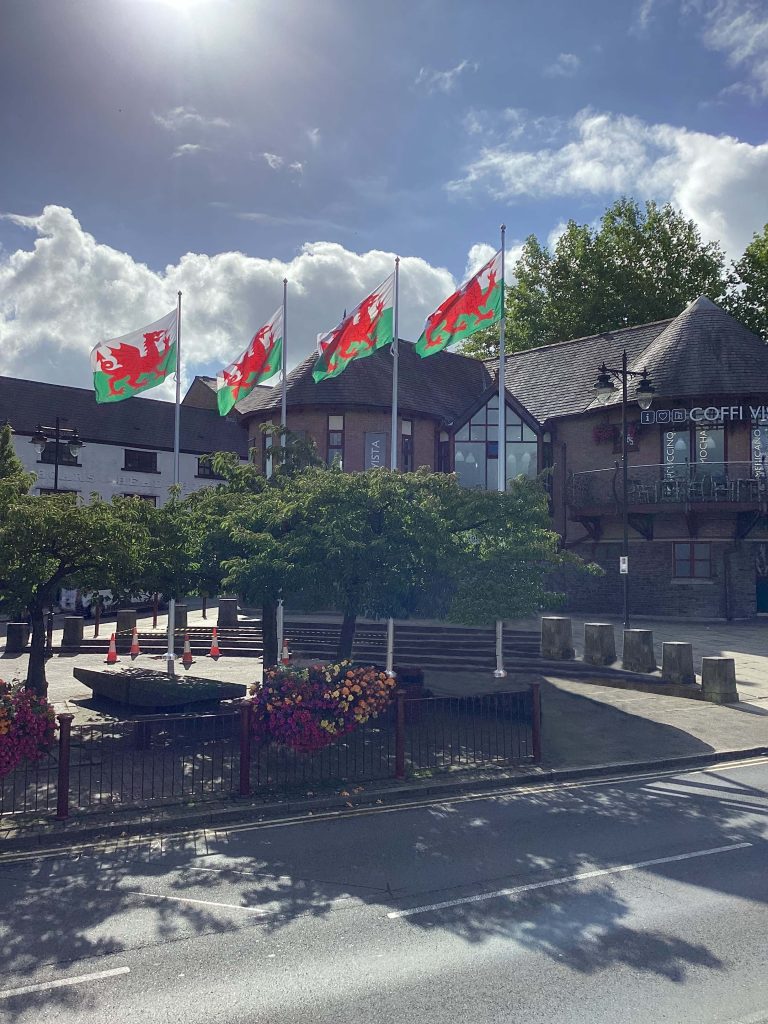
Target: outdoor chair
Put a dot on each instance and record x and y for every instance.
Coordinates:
(719, 488)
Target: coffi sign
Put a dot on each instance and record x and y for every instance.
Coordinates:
(707, 414)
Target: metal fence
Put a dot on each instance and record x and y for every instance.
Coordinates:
(167, 759)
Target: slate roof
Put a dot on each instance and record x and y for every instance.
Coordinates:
(703, 351)
(441, 385)
(139, 422)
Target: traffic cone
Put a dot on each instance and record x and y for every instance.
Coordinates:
(135, 649)
(186, 658)
(112, 657)
(286, 654)
(214, 651)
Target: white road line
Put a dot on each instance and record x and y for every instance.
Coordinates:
(480, 897)
(81, 979)
(188, 899)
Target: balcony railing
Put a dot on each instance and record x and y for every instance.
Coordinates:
(660, 485)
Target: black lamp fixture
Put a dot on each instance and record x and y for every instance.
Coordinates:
(61, 435)
(644, 392)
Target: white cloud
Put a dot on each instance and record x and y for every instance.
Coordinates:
(719, 181)
(443, 81)
(189, 149)
(297, 167)
(313, 134)
(181, 118)
(274, 161)
(739, 29)
(481, 252)
(566, 66)
(68, 292)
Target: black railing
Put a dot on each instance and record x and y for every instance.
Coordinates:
(166, 759)
(670, 484)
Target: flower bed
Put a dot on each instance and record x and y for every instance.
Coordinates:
(307, 709)
(27, 726)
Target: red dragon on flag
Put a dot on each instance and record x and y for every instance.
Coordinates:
(474, 306)
(367, 328)
(125, 366)
(260, 361)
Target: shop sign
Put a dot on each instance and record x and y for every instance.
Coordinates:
(375, 451)
(759, 448)
(706, 414)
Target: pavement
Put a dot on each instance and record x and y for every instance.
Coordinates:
(617, 901)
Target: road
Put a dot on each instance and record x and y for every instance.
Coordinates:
(608, 902)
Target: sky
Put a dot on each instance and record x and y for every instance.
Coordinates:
(218, 146)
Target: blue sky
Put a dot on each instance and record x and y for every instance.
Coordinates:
(217, 145)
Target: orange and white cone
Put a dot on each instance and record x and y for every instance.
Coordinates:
(285, 657)
(214, 651)
(135, 649)
(186, 658)
(112, 657)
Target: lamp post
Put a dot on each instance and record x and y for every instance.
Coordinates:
(61, 435)
(606, 375)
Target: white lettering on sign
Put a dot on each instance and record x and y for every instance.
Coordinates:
(706, 414)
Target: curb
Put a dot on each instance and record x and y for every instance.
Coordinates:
(64, 835)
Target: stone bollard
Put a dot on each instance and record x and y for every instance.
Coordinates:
(599, 643)
(556, 638)
(180, 620)
(638, 653)
(227, 613)
(718, 680)
(677, 663)
(16, 637)
(73, 632)
(126, 620)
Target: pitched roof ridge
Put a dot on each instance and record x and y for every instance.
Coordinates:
(588, 337)
(74, 387)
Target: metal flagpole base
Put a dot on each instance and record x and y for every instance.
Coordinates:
(499, 672)
(170, 659)
(390, 648)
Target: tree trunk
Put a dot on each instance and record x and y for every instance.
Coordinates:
(269, 631)
(346, 637)
(36, 671)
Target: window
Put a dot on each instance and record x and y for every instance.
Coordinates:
(443, 452)
(140, 461)
(61, 490)
(702, 447)
(692, 561)
(477, 448)
(66, 458)
(205, 469)
(151, 498)
(406, 443)
(336, 441)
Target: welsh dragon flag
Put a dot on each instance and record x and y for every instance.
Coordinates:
(260, 361)
(368, 327)
(476, 305)
(125, 366)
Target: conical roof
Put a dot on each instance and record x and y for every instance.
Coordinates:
(704, 351)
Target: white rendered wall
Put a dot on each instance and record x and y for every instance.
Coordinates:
(101, 470)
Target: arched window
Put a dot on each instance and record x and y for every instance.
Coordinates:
(477, 448)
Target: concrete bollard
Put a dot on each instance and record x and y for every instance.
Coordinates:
(599, 643)
(677, 663)
(227, 613)
(638, 653)
(72, 636)
(718, 680)
(180, 620)
(556, 638)
(16, 637)
(126, 620)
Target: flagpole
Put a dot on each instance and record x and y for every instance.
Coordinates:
(283, 425)
(283, 391)
(176, 432)
(499, 672)
(393, 445)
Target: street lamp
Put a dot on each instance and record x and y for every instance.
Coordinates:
(61, 435)
(606, 375)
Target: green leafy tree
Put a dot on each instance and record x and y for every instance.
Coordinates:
(14, 479)
(53, 541)
(748, 301)
(639, 265)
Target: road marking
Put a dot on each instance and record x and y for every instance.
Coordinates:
(188, 899)
(516, 791)
(480, 897)
(81, 979)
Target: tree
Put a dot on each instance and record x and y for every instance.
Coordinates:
(14, 479)
(748, 301)
(53, 541)
(639, 265)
